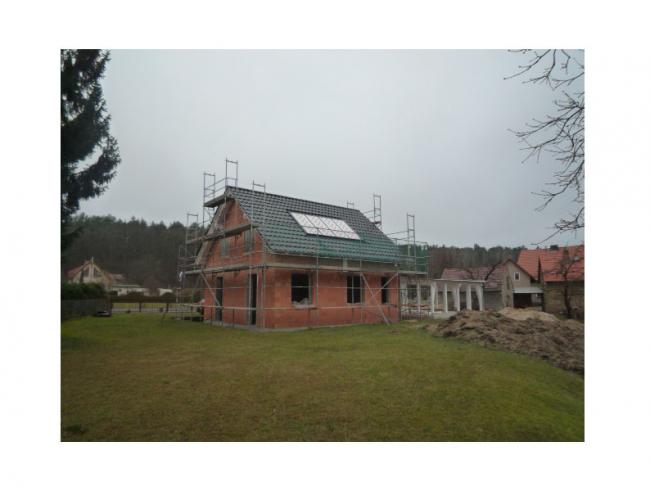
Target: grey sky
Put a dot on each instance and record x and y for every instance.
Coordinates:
(428, 130)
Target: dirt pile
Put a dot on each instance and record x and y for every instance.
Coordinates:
(523, 314)
(558, 342)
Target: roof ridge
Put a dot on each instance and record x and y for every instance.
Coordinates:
(283, 234)
(238, 188)
(549, 249)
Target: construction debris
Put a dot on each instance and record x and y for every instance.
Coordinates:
(560, 342)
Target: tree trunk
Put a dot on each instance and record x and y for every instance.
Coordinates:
(567, 300)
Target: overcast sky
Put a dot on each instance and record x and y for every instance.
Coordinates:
(428, 130)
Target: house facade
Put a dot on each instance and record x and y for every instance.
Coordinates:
(560, 272)
(274, 261)
(91, 273)
(506, 285)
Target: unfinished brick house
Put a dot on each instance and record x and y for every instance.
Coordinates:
(274, 261)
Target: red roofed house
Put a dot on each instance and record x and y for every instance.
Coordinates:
(561, 273)
(506, 284)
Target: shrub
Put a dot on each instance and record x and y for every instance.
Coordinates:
(75, 290)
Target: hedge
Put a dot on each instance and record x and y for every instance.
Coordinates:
(74, 290)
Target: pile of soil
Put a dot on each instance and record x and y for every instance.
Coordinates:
(524, 314)
(560, 342)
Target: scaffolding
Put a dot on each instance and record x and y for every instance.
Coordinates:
(247, 261)
(189, 292)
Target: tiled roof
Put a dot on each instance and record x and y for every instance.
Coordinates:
(72, 272)
(112, 278)
(283, 234)
(528, 260)
(555, 264)
(493, 280)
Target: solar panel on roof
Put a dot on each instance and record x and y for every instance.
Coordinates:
(327, 227)
(278, 227)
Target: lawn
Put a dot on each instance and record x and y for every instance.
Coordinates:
(138, 377)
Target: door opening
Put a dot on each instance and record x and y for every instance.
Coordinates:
(219, 294)
(252, 299)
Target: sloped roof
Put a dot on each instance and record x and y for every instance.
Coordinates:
(72, 272)
(529, 260)
(555, 263)
(112, 278)
(493, 280)
(283, 234)
(492, 275)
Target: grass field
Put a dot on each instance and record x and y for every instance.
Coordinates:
(137, 377)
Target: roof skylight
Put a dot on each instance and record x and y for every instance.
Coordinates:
(327, 227)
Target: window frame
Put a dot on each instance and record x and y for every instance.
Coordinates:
(412, 292)
(354, 292)
(425, 293)
(517, 275)
(248, 240)
(224, 247)
(309, 290)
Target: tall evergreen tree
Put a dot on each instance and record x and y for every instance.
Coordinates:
(89, 154)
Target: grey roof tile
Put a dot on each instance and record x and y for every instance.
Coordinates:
(283, 234)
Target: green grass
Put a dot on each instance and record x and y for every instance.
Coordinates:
(137, 377)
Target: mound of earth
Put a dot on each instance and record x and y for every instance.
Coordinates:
(524, 314)
(556, 341)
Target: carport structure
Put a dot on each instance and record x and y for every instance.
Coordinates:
(422, 297)
(456, 287)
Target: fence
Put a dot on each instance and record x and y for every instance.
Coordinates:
(145, 304)
(76, 308)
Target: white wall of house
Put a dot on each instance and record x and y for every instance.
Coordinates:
(90, 273)
(124, 290)
(518, 276)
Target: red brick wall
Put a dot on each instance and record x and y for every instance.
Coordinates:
(237, 253)
(329, 303)
(275, 309)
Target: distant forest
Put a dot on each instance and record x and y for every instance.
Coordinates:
(146, 253)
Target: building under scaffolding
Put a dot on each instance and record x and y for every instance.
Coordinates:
(274, 261)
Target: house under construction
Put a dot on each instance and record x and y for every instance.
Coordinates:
(275, 261)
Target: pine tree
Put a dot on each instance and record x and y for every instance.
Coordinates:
(89, 154)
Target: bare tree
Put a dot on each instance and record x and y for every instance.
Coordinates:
(480, 273)
(560, 133)
(566, 267)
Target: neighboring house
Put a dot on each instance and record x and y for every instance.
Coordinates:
(90, 273)
(560, 271)
(122, 288)
(275, 261)
(506, 284)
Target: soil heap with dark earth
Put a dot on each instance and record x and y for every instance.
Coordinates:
(534, 333)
